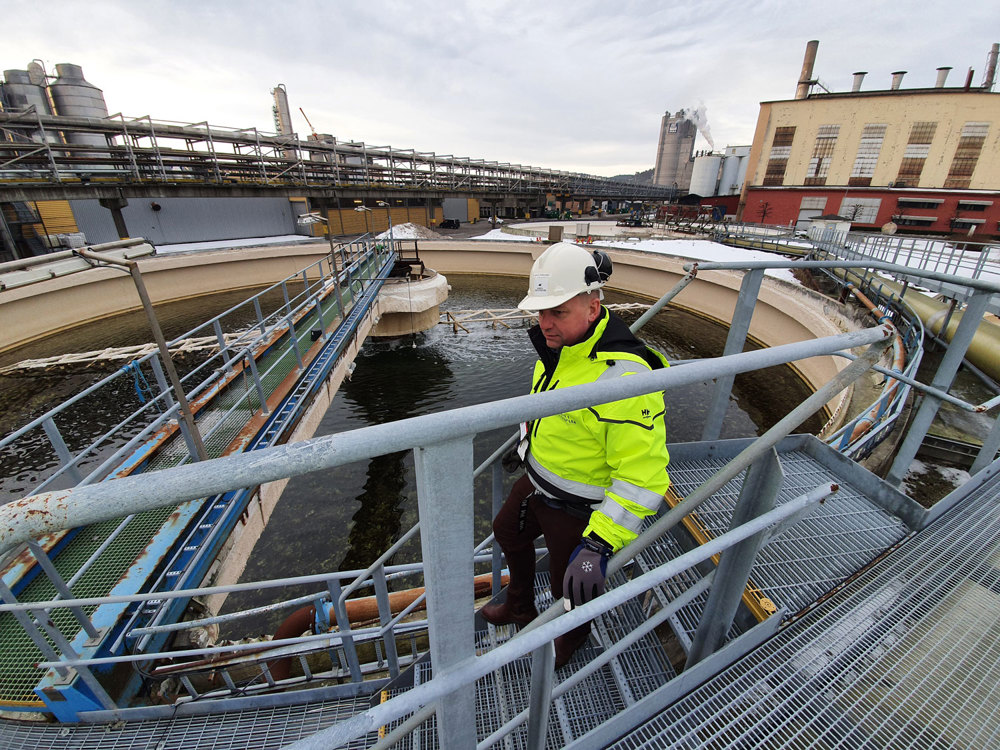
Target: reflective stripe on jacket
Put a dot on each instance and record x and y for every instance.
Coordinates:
(611, 457)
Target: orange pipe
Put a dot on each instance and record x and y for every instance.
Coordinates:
(359, 610)
(898, 362)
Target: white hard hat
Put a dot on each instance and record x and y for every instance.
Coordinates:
(563, 271)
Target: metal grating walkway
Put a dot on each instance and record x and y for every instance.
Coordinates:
(824, 547)
(906, 655)
(251, 729)
(502, 695)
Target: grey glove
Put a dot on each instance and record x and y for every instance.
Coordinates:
(586, 572)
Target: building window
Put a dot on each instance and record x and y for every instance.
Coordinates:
(819, 164)
(860, 210)
(813, 202)
(970, 145)
(781, 149)
(917, 148)
(914, 221)
(919, 202)
(867, 157)
(974, 205)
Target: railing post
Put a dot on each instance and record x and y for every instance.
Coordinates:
(227, 363)
(294, 339)
(59, 445)
(989, 450)
(738, 329)
(543, 670)
(344, 624)
(445, 503)
(497, 504)
(45, 563)
(942, 381)
(384, 616)
(260, 316)
(757, 496)
(257, 384)
(161, 381)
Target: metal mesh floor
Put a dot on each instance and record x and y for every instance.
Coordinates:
(257, 729)
(830, 543)
(905, 656)
(502, 695)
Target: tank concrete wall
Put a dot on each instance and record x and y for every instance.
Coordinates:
(785, 312)
(33, 311)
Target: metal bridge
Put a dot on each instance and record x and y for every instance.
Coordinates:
(142, 157)
(884, 616)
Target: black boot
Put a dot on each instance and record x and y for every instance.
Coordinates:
(511, 612)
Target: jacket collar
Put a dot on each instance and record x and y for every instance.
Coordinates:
(586, 348)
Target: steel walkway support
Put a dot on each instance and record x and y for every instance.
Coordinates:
(444, 499)
(758, 494)
(942, 381)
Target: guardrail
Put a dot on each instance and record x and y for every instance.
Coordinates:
(442, 444)
(443, 455)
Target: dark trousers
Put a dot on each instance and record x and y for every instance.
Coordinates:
(516, 528)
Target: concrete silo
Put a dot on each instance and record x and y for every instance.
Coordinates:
(73, 96)
(674, 151)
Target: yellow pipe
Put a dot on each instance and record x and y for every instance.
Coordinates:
(984, 351)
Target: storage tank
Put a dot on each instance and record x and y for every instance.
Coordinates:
(734, 169)
(19, 93)
(705, 175)
(73, 96)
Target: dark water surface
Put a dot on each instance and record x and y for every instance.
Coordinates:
(342, 519)
(26, 397)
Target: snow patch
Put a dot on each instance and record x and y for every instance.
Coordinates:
(499, 234)
(411, 231)
(284, 239)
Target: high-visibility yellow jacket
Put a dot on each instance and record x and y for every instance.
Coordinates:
(607, 462)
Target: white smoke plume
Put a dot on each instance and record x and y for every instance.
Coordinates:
(700, 119)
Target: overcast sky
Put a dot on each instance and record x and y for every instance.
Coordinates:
(578, 86)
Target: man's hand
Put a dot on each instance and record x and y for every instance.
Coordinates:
(586, 572)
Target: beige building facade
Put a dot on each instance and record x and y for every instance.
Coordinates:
(927, 160)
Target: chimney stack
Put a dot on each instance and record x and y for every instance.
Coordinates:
(806, 76)
(991, 67)
(942, 77)
(897, 78)
(858, 78)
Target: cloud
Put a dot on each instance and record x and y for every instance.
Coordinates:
(578, 86)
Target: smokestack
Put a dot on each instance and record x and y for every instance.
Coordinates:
(858, 78)
(991, 67)
(968, 80)
(805, 77)
(942, 77)
(897, 78)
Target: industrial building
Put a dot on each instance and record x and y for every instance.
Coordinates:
(920, 160)
(675, 152)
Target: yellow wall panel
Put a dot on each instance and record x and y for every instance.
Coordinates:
(57, 217)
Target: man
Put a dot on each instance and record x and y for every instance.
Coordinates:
(593, 474)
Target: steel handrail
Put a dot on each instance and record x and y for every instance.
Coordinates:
(530, 639)
(84, 505)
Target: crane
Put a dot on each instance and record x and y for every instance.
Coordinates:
(314, 134)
